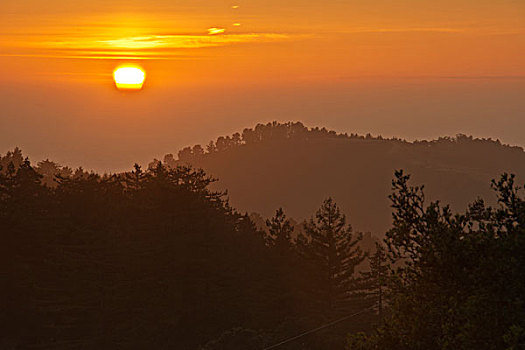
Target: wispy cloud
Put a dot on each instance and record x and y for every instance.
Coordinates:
(437, 77)
(164, 46)
(452, 29)
(405, 30)
(215, 31)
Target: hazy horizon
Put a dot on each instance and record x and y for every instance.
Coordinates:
(86, 128)
(414, 70)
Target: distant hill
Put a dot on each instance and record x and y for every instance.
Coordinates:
(296, 167)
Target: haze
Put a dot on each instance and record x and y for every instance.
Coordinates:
(408, 68)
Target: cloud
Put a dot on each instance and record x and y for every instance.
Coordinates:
(164, 46)
(438, 77)
(215, 31)
(405, 30)
(451, 30)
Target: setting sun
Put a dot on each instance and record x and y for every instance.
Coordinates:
(129, 78)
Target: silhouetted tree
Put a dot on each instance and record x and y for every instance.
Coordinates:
(185, 154)
(333, 247)
(375, 281)
(169, 160)
(458, 284)
(279, 231)
(15, 157)
(197, 150)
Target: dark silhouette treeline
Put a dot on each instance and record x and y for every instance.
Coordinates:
(290, 165)
(275, 131)
(155, 259)
(158, 259)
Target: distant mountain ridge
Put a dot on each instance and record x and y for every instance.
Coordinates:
(290, 165)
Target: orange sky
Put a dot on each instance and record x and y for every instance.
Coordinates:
(266, 60)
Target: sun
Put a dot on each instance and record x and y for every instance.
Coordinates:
(129, 78)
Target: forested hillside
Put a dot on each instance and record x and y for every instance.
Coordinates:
(157, 259)
(295, 167)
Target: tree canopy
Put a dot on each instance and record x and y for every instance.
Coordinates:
(459, 282)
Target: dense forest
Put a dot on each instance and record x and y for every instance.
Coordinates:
(296, 167)
(159, 258)
(155, 259)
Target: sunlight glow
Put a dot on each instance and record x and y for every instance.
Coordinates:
(129, 78)
(215, 31)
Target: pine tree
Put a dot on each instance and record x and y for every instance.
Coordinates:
(375, 280)
(279, 231)
(333, 248)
